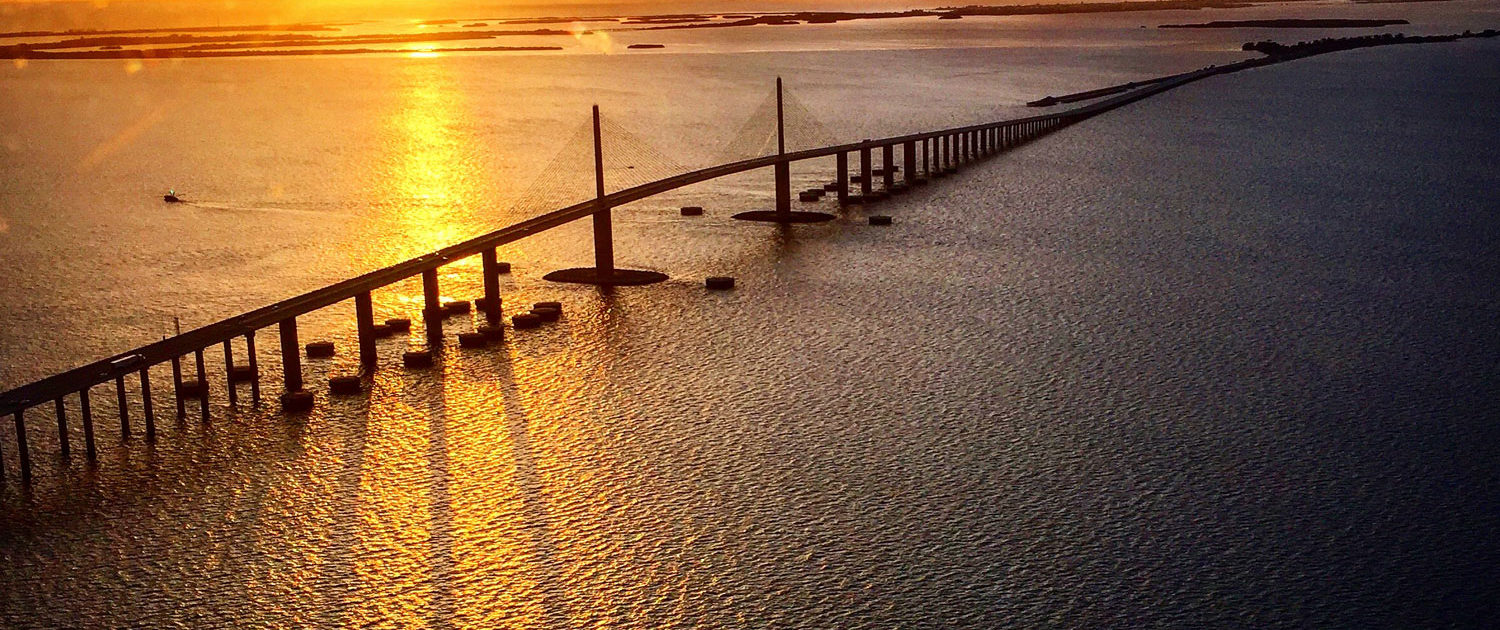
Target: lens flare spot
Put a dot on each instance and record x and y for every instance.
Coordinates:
(598, 41)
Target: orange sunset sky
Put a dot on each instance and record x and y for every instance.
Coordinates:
(62, 14)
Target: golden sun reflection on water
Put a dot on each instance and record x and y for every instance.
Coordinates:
(393, 530)
(429, 186)
(487, 495)
(429, 180)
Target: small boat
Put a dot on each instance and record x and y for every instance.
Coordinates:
(171, 197)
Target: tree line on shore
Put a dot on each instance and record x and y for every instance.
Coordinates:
(1332, 44)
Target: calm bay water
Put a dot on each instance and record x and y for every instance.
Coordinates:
(1221, 358)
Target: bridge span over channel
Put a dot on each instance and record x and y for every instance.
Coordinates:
(905, 161)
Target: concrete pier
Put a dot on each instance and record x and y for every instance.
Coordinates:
(842, 176)
(202, 384)
(146, 413)
(490, 267)
(177, 392)
(866, 172)
(291, 356)
(23, 453)
(229, 374)
(122, 405)
(604, 236)
(432, 307)
(254, 367)
(364, 324)
(909, 162)
(87, 414)
(888, 166)
(62, 428)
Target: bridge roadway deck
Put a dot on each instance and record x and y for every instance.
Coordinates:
(125, 363)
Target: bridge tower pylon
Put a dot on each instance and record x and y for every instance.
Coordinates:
(783, 181)
(603, 272)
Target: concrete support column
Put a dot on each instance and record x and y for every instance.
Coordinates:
(202, 384)
(865, 172)
(842, 176)
(432, 307)
(23, 454)
(604, 241)
(254, 368)
(909, 162)
(124, 407)
(888, 163)
(364, 325)
(291, 356)
(234, 396)
(783, 186)
(88, 425)
(491, 270)
(177, 387)
(146, 412)
(62, 427)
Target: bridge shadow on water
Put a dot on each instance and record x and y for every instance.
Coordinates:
(254, 450)
(535, 511)
(335, 582)
(441, 557)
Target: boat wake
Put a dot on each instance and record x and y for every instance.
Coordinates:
(225, 207)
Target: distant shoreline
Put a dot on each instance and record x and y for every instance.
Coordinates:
(198, 46)
(1290, 23)
(1274, 53)
(296, 40)
(136, 53)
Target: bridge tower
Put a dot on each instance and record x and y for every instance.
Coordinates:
(603, 272)
(783, 178)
